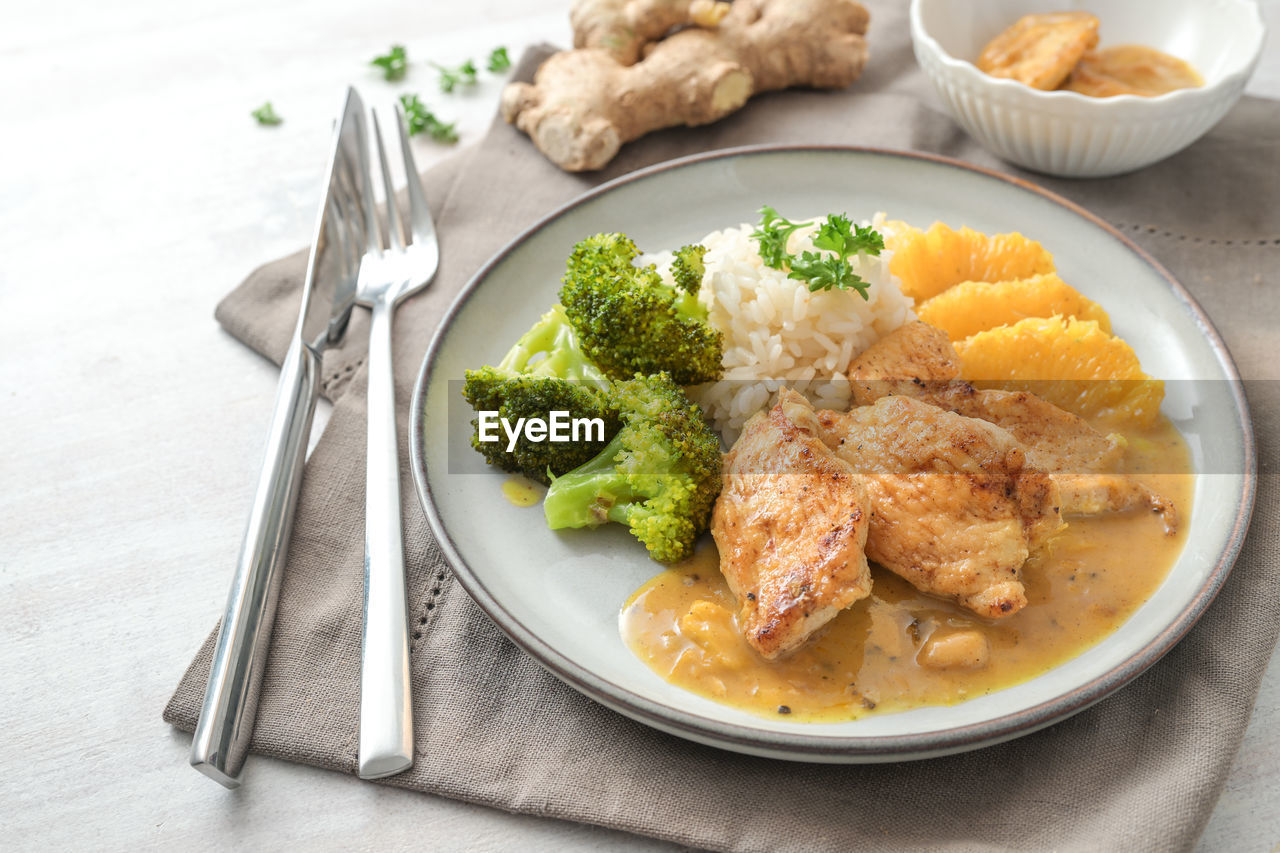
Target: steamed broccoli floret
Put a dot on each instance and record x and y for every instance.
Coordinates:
(551, 348)
(660, 474)
(688, 269)
(545, 371)
(514, 396)
(630, 322)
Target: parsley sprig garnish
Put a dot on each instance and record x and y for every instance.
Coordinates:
(839, 235)
(423, 120)
(450, 78)
(394, 63)
(820, 271)
(772, 235)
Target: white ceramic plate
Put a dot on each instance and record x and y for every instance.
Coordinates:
(559, 595)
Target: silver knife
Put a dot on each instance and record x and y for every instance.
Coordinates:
(231, 698)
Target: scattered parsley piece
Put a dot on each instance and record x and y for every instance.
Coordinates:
(266, 114)
(441, 131)
(499, 61)
(820, 271)
(450, 78)
(394, 64)
(422, 119)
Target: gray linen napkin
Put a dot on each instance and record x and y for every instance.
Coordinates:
(1140, 770)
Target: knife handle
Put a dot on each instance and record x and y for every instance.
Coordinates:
(225, 727)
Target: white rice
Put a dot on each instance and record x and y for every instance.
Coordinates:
(778, 334)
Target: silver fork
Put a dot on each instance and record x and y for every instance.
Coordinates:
(392, 269)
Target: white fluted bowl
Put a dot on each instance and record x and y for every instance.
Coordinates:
(1073, 135)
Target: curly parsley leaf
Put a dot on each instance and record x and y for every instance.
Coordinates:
(394, 63)
(838, 235)
(451, 78)
(422, 120)
(498, 60)
(823, 272)
(772, 236)
(266, 114)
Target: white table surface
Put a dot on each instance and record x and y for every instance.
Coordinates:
(134, 192)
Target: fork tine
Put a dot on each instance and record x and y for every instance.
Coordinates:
(395, 230)
(421, 226)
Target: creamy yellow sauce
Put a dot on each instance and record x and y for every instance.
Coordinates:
(871, 658)
(521, 491)
(1131, 69)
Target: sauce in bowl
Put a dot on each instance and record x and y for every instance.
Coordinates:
(1130, 69)
(1056, 50)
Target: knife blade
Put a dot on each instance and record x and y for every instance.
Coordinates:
(225, 727)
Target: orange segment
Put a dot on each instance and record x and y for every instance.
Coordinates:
(975, 306)
(1071, 363)
(928, 262)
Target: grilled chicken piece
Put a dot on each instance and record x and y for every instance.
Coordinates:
(954, 508)
(1055, 440)
(791, 527)
(1095, 494)
(911, 357)
(917, 360)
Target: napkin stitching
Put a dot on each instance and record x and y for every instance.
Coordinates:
(346, 371)
(1211, 241)
(423, 615)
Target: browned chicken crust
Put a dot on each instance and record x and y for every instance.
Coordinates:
(1055, 440)
(912, 356)
(791, 527)
(954, 508)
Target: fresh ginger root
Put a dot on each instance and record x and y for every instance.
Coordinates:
(624, 27)
(584, 104)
